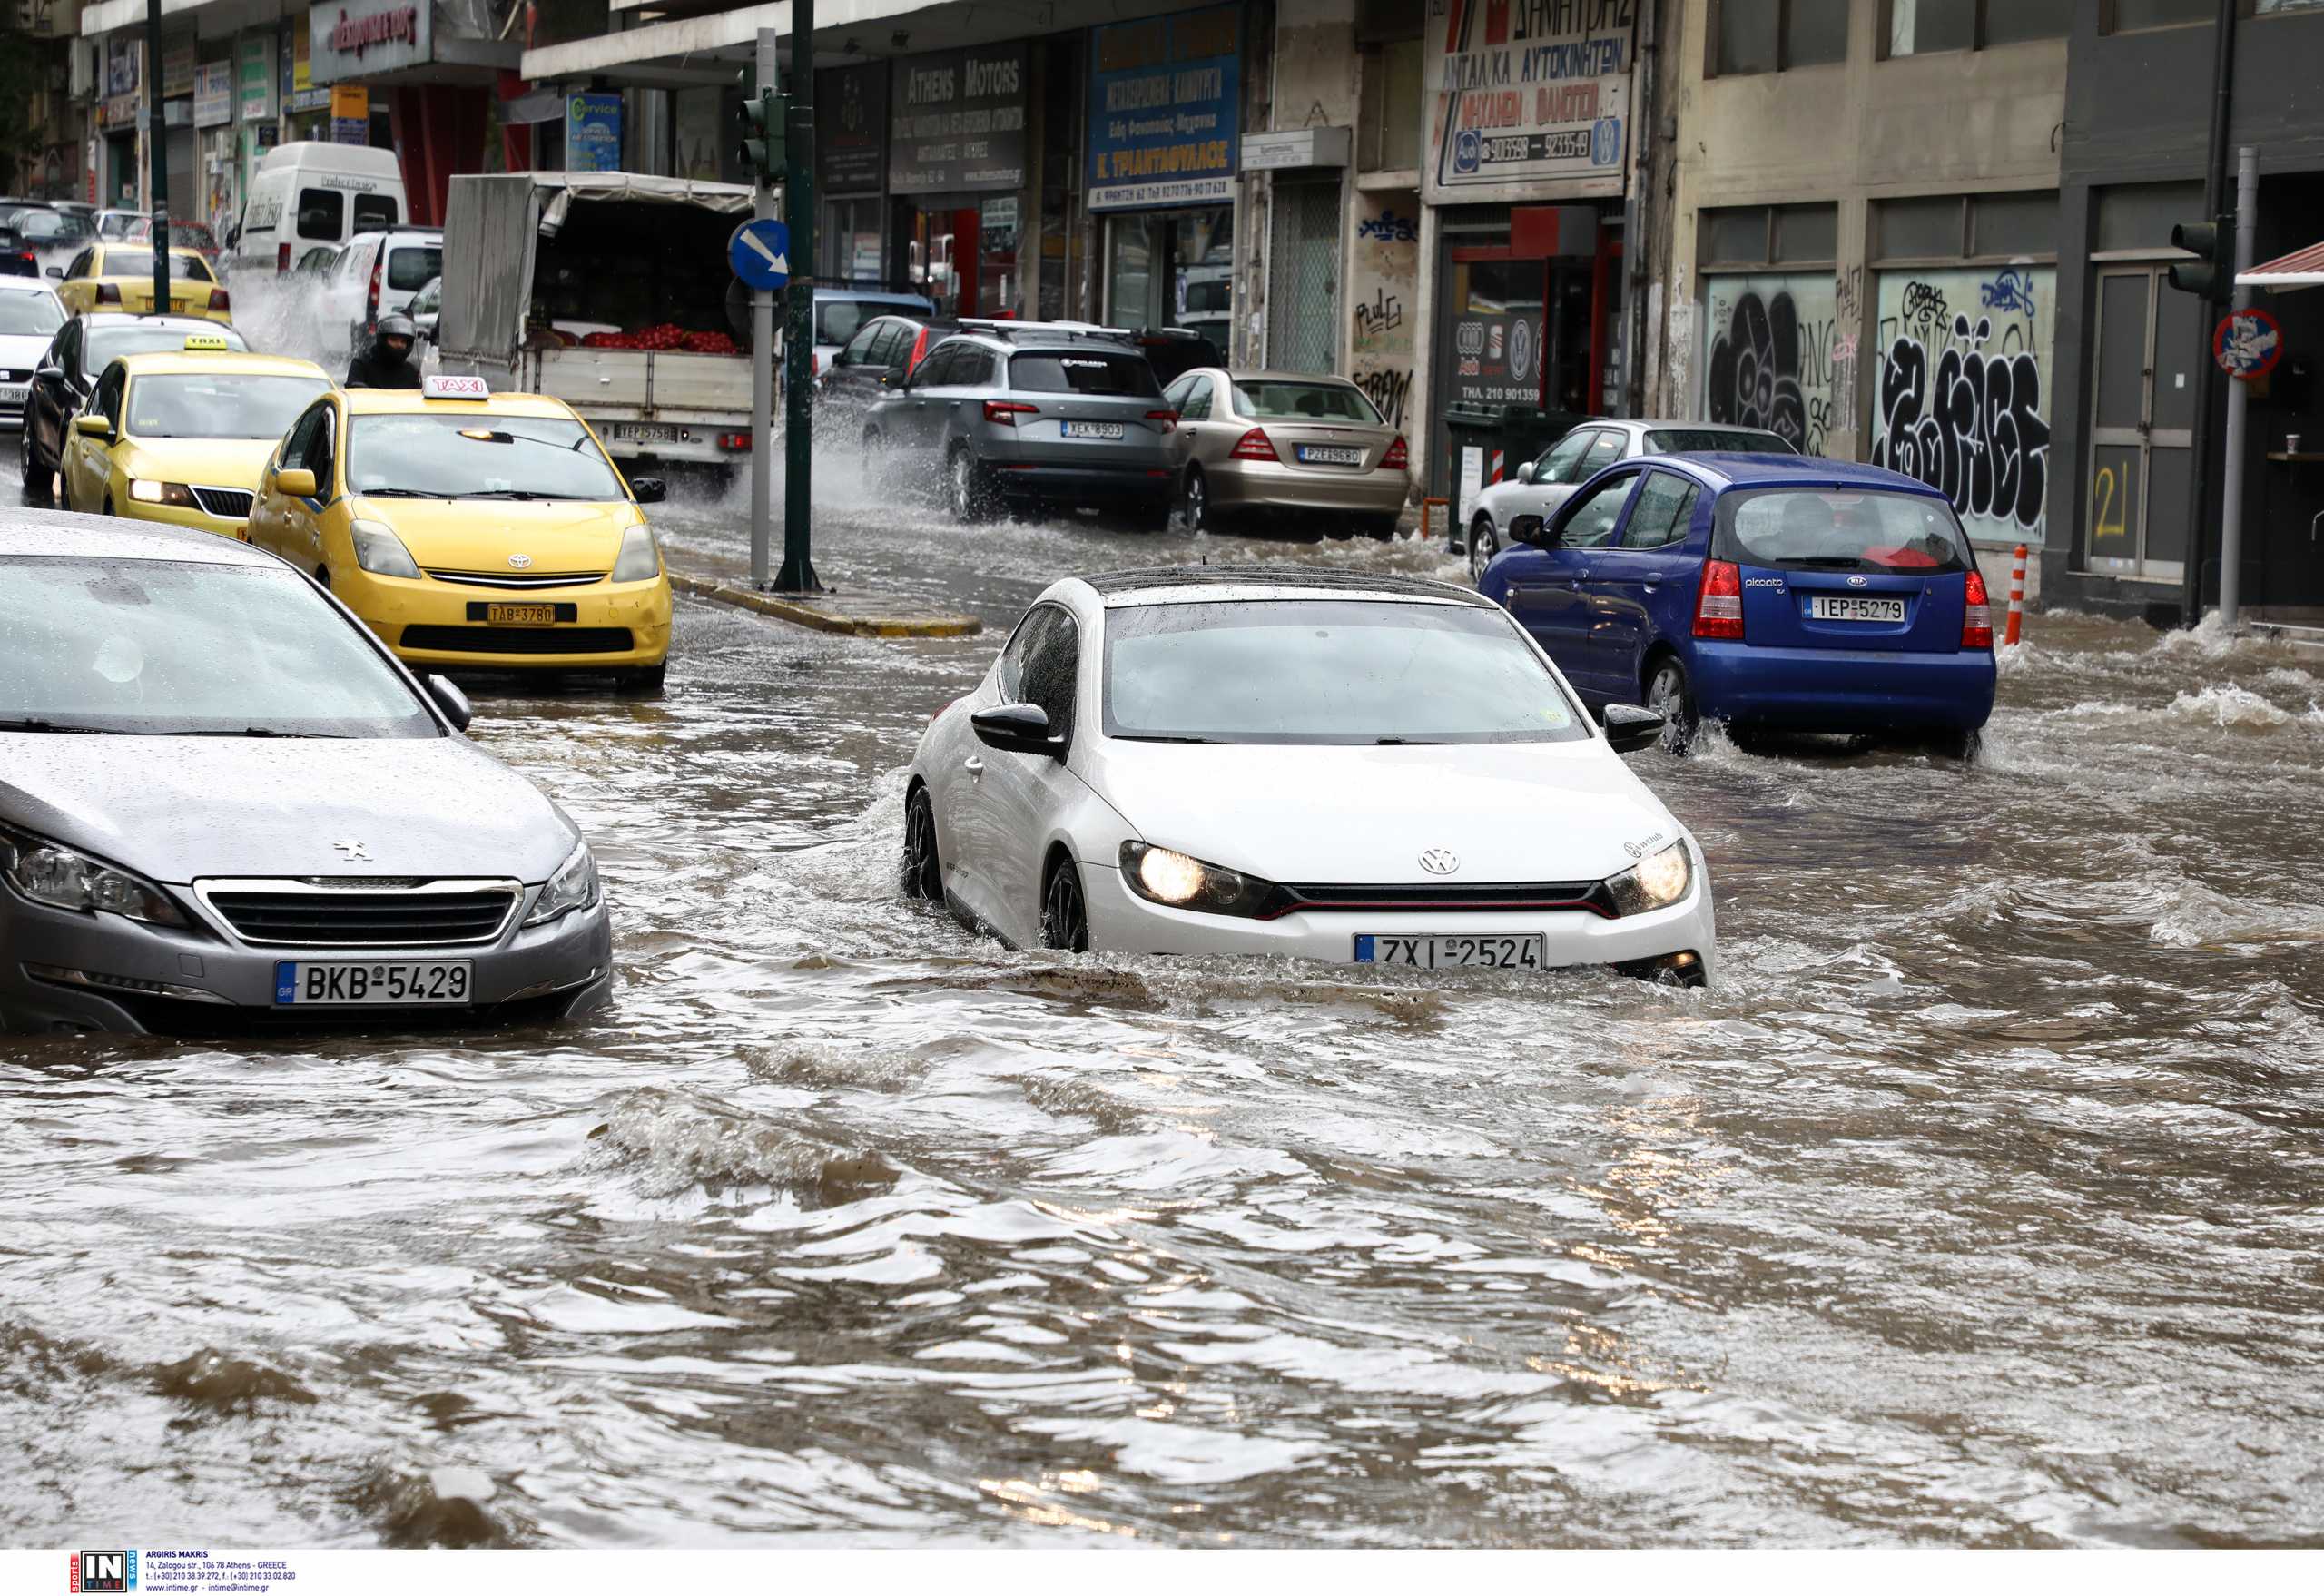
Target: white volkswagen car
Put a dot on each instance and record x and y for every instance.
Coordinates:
(1369, 770)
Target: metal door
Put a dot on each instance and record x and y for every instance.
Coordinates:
(1304, 278)
(2149, 339)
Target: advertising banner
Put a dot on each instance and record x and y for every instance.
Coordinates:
(959, 121)
(851, 111)
(1163, 110)
(213, 93)
(299, 90)
(362, 38)
(592, 133)
(124, 53)
(254, 77)
(350, 114)
(179, 58)
(1527, 99)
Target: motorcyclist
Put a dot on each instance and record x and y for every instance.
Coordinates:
(385, 362)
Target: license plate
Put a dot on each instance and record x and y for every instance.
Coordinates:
(520, 614)
(642, 432)
(1848, 606)
(371, 983)
(1311, 454)
(11, 396)
(1091, 428)
(1452, 953)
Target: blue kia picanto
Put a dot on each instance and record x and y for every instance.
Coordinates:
(1767, 591)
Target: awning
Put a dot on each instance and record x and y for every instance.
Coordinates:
(2300, 269)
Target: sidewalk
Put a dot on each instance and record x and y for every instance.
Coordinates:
(860, 614)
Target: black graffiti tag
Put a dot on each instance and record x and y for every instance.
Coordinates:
(1972, 428)
(1755, 370)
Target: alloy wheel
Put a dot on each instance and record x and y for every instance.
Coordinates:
(1483, 543)
(1065, 921)
(1198, 505)
(922, 874)
(963, 486)
(1667, 696)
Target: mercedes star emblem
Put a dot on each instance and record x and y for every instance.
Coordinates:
(352, 848)
(521, 560)
(1440, 861)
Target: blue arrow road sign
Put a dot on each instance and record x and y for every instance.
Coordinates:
(760, 253)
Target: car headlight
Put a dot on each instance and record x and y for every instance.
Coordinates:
(49, 872)
(1655, 882)
(573, 886)
(1164, 875)
(379, 551)
(145, 491)
(639, 560)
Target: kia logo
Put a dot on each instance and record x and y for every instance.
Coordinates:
(1440, 861)
(522, 560)
(1855, 581)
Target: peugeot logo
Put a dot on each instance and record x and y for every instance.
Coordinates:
(1853, 581)
(521, 560)
(352, 848)
(1440, 861)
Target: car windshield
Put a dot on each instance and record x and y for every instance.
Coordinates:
(463, 455)
(1715, 440)
(1098, 372)
(1338, 671)
(164, 648)
(119, 262)
(109, 343)
(218, 404)
(1304, 401)
(1840, 529)
(839, 320)
(50, 226)
(28, 315)
(410, 266)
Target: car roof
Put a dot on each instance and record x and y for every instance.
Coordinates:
(1188, 584)
(195, 362)
(877, 296)
(125, 245)
(1247, 374)
(410, 401)
(173, 318)
(36, 532)
(1746, 470)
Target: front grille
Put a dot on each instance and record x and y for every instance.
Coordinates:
(231, 504)
(9, 374)
(1434, 897)
(523, 580)
(520, 639)
(427, 914)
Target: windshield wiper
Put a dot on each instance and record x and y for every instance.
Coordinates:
(517, 493)
(401, 493)
(1408, 742)
(1159, 737)
(253, 731)
(35, 724)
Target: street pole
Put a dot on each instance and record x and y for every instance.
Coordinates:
(798, 573)
(158, 149)
(2199, 479)
(763, 364)
(2239, 397)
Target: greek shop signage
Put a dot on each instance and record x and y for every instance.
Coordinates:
(362, 38)
(959, 121)
(1162, 110)
(1528, 98)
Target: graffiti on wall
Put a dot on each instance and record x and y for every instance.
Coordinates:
(1963, 355)
(1385, 282)
(1770, 363)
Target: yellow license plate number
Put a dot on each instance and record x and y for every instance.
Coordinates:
(520, 614)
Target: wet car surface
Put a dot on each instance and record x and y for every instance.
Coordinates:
(1975, 1204)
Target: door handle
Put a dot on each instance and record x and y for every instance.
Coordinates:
(973, 765)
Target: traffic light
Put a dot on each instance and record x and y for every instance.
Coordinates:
(760, 121)
(2213, 273)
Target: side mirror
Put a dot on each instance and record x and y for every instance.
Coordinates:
(1015, 728)
(1525, 472)
(1528, 529)
(1630, 728)
(49, 373)
(92, 426)
(648, 489)
(454, 703)
(295, 480)
(57, 271)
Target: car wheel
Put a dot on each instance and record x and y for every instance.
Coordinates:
(1669, 694)
(644, 682)
(323, 574)
(1485, 543)
(1379, 528)
(1961, 745)
(36, 486)
(965, 488)
(1064, 917)
(923, 871)
(1195, 501)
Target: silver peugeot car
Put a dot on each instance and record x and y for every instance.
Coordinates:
(223, 805)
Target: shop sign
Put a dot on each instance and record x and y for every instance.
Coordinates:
(959, 121)
(120, 112)
(299, 90)
(213, 93)
(851, 116)
(178, 63)
(1527, 99)
(592, 133)
(1297, 148)
(125, 49)
(254, 77)
(1163, 95)
(362, 38)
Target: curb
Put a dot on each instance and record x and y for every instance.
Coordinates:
(806, 614)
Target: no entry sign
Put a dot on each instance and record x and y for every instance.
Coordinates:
(2247, 343)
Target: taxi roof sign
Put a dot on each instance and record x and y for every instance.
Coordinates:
(454, 388)
(206, 342)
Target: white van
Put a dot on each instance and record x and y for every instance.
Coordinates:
(309, 194)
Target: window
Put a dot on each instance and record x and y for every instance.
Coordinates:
(1096, 373)
(936, 370)
(1773, 35)
(1762, 235)
(185, 404)
(323, 214)
(1590, 521)
(1197, 401)
(1663, 514)
(877, 344)
(1561, 461)
(858, 351)
(451, 456)
(1807, 233)
(29, 315)
(1840, 529)
(1052, 672)
(108, 399)
(1951, 227)
(1922, 27)
(309, 448)
(2123, 17)
(1030, 631)
(1604, 450)
(415, 266)
(121, 262)
(1389, 121)
(373, 212)
(1292, 401)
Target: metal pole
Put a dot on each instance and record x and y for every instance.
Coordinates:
(2199, 479)
(798, 573)
(158, 149)
(763, 364)
(2239, 397)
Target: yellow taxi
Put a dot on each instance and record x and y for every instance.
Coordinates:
(472, 530)
(182, 435)
(120, 277)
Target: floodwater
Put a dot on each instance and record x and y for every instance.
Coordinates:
(1978, 1204)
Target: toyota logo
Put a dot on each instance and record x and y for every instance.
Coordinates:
(1440, 861)
(1855, 581)
(522, 560)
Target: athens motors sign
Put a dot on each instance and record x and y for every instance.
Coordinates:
(363, 38)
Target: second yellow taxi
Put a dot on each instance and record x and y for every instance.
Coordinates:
(182, 435)
(472, 530)
(120, 277)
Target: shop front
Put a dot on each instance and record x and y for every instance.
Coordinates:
(219, 190)
(958, 167)
(1162, 127)
(851, 174)
(121, 180)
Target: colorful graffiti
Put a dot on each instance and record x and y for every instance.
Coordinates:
(1770, 361)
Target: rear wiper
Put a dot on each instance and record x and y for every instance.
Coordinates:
(1829, 562)
(34, 723)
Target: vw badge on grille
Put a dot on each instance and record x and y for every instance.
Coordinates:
(521, 560)
(1440, 861)
(352, 848)
(1855, 581)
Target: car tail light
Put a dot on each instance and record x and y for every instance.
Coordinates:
(1718, 603)
(918, 349)
(29, 258)
(1004, 412)
(108, 293)
(734, 443)
(1255, 445)
(1977, 619)
(219, 300)
(1398, 458)
(1169, 419)
(282, 258)
(371, 301)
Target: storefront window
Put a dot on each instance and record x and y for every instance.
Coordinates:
(1173, 269)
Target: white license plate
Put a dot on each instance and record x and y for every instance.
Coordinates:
(361, 983)
(1452, 953)
(1848, 606)
(1091, 428)
(11, 396)
(1318, 454)
(636, 432)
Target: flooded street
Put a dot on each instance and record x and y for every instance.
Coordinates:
(1978, 1204)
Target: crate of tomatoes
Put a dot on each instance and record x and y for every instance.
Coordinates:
(665, 335)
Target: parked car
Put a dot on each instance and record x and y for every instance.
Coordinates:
(1014, 416)
(29, 318)
(1235, 760)
(279, 824)
(1281, 442)
(375, 275)
(878, 359)
(66, 374)
(1764, 591)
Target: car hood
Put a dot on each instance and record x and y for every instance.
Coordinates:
(480, 535)
(22, 353)
(177, 809)
(1511, 812)
(208, 462)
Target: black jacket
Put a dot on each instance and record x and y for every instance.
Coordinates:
(368, 370)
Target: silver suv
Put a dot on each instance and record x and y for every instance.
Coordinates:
(1018, 414)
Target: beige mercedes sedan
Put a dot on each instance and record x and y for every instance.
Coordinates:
(1285, 443)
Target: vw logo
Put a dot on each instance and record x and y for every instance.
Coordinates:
(1440, 861)
(352, 848)
(1855, 581)
(522, 560)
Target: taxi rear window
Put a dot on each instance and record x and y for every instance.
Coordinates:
(140, 263)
